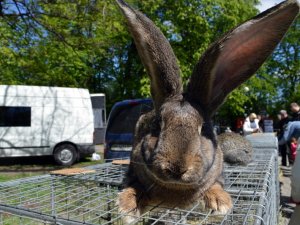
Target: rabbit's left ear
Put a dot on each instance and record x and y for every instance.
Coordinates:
(236, 57)
(156, 54)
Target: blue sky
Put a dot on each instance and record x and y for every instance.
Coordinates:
(265, 4)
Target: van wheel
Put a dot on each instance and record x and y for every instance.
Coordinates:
(65, 154)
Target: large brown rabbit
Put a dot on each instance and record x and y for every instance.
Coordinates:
(175, 159)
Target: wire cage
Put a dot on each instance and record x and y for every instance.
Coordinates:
(91, 198)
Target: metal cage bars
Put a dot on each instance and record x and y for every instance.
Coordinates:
(91, 198)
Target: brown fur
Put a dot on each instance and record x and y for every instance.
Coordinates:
(236, 148)
(217, 199)
(198, 161)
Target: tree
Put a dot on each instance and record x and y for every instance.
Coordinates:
(86, 44)
(284, 66)
(60, 43)
(277, 83)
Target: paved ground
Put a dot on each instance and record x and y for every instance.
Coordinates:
(287, 208)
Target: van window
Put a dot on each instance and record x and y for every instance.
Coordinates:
(15, 116)
(126, 119)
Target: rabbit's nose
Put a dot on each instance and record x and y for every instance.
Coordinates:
(177, 171)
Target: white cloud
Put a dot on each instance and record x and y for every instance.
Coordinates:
(265, 4)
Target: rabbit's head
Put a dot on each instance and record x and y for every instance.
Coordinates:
(177, 155)
(180, 148)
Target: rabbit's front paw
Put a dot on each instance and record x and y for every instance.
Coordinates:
(127, 202)
(218, 199)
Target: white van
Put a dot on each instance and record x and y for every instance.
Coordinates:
(36, 121)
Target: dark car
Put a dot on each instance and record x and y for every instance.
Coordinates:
(120, 127)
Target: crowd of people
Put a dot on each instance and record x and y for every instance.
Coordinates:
(288, 130)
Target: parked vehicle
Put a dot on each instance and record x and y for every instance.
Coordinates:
(120, 127)
(38, 121)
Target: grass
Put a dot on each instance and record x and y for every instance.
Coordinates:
(7, 177)
(16, 168)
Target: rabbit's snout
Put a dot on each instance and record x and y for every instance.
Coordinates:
(176, 171)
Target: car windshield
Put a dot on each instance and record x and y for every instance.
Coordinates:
(125, 120)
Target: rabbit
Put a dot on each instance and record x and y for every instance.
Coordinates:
(237, 150)
(176, 160)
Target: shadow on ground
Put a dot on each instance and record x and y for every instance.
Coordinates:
(32, 164)
(287, 208)
(286, 171)
(38, 160)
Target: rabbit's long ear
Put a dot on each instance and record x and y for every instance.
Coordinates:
(237, 56)
(156, 55)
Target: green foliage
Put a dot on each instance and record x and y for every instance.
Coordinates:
(277, 83)
(87, 44)
(284, 66)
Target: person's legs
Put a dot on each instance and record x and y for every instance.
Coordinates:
(282, 149)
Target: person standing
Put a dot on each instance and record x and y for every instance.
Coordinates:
(284, 119)
(293, 148)
(251, 125)
(295, 108)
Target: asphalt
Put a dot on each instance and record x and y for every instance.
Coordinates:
(287, 207)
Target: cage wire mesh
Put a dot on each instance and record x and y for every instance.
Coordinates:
(91, 198)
